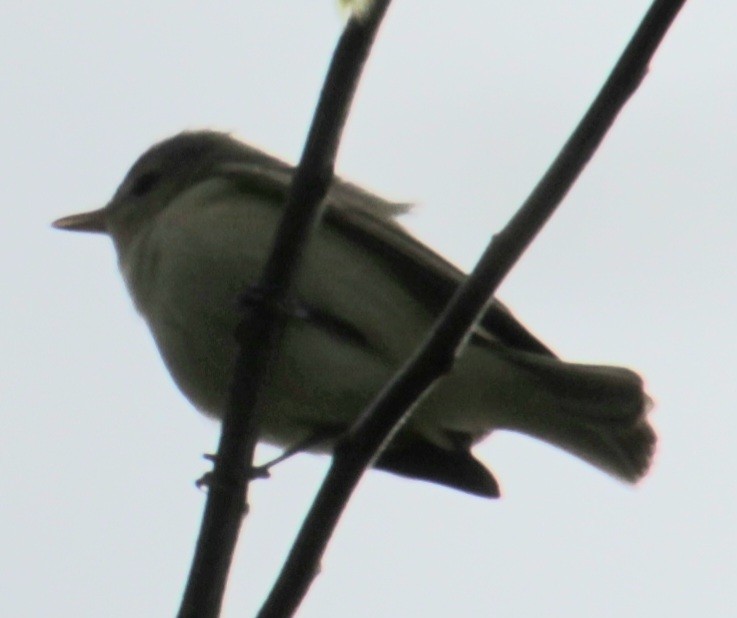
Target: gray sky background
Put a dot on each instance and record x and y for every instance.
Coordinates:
(462, 106)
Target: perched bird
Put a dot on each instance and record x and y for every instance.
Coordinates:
(192, 224)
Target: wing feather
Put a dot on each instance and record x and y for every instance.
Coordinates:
(371, 221)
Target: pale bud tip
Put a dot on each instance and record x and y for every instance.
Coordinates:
(355, 8)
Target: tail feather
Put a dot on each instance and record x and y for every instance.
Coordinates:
(595, 412)
(623, 452)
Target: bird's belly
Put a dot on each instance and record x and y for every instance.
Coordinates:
(317, 382)
(196, 267)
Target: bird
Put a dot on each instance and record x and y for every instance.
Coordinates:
(192, 224)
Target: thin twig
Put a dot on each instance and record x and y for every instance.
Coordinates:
(374, 428)
(260, 330)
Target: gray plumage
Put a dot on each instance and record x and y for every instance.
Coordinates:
(192, 224)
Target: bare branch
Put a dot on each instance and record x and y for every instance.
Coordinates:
(376, 425)
(260, 330)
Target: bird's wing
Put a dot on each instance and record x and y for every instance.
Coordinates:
(371, 221)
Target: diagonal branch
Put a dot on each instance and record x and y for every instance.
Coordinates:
(260, 330)
(377, 424)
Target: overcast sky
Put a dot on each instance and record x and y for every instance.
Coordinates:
(462, 107)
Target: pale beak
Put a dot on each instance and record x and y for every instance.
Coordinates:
(93, 221)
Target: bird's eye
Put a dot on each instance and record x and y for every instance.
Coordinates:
(144, 183)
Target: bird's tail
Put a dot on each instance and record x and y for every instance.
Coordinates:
(595, 412)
